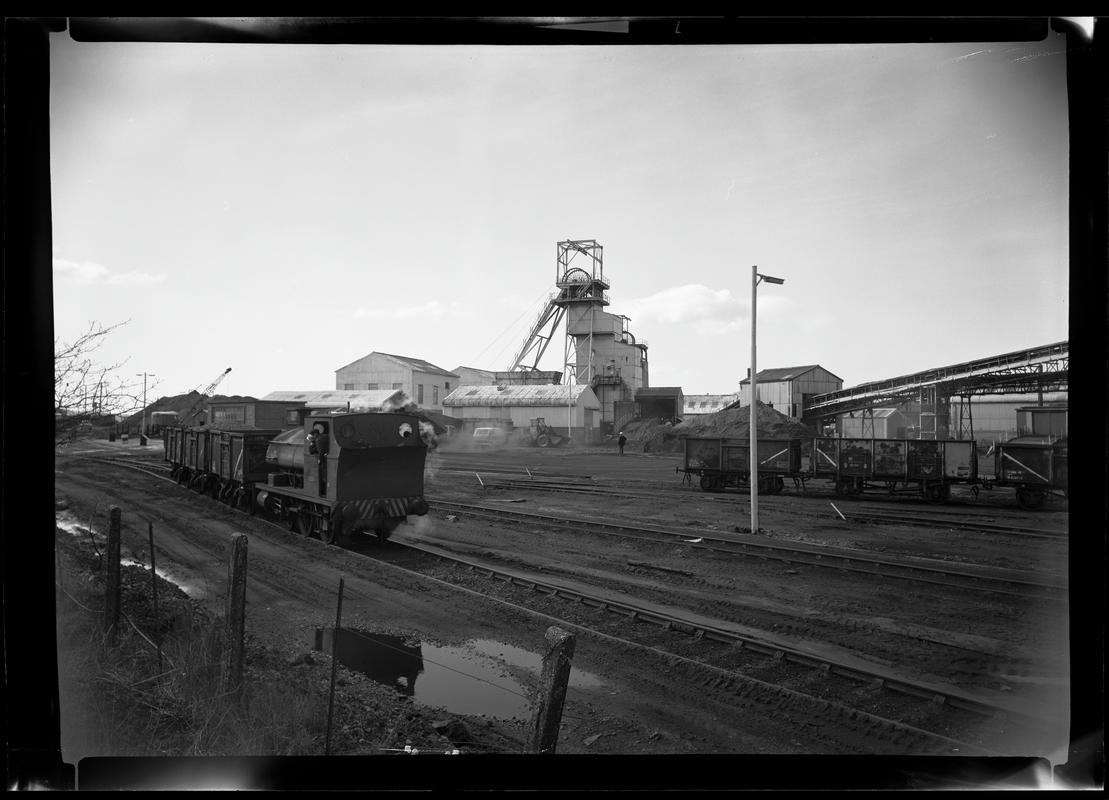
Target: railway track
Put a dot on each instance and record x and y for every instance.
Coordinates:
(776, 670)
(961, 577)
(808, 683)
(916, 519)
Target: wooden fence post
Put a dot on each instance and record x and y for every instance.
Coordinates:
(236, 611)
(154, 593)
(335, 634)
(111, 579)
(552, 690)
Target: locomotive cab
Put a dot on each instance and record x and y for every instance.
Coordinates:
(344, 473)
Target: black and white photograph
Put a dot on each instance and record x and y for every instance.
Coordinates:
(589, 403)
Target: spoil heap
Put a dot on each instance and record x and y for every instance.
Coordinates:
(655, 436)
(181, 403)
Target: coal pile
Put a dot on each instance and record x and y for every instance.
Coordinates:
(664, 436)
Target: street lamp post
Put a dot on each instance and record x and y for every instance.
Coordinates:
(142, 430)
(753, 478)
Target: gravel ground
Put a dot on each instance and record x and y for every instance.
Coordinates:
(638, 705)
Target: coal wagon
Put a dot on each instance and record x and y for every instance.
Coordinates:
(719, 462)
(930, 467)
(1035, 466)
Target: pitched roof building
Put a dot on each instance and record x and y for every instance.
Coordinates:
(423, 382)
(562, 406)
(785, 388)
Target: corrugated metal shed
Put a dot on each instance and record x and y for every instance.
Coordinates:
(359, 400)
(517, 395)
(785, 373)
(708, 403)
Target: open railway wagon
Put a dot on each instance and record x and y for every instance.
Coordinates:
(928, 466)
(331, 475)
(1033, 465)
(218, 462)
(722, 462)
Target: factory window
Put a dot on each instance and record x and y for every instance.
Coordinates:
(232, 414)
(419, 393)
(447, 386)
(348, 385)
(434, 395)
(371, 385)
(398, 385)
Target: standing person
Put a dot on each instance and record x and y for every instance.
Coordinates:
(623, 440)
(318, 445)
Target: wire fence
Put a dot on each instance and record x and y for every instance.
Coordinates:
(513, 745)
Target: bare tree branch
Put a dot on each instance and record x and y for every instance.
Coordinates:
(86, 391)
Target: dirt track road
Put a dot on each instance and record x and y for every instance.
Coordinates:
(632, 702)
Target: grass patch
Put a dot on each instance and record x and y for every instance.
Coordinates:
(127, 699)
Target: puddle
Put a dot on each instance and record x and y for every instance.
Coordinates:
(463, 680)
(195, 592)
(71, 526)
(74, 527)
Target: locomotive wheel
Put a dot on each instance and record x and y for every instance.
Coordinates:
(779, 484)
(708, 483)
(294, 523)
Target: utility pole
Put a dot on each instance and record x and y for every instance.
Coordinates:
(142, 430)
(753, 479)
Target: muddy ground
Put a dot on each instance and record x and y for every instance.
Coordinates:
(621, 702)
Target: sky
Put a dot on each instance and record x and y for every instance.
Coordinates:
(286, 209)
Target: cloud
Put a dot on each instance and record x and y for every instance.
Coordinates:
(89, 272)
(710, 312)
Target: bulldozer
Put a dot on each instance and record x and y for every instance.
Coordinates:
(543, 435)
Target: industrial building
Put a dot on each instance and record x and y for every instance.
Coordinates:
(425, 383)
(878, 423)
(568, 408)
(980, 399)
(700, 405)
(660, 402)
(269, 413)
(349, 400)
(600, 350)
(787, 389)
(472, 376)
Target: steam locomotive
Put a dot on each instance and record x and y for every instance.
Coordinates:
(329, 474)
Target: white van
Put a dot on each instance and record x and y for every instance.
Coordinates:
(489, 437)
